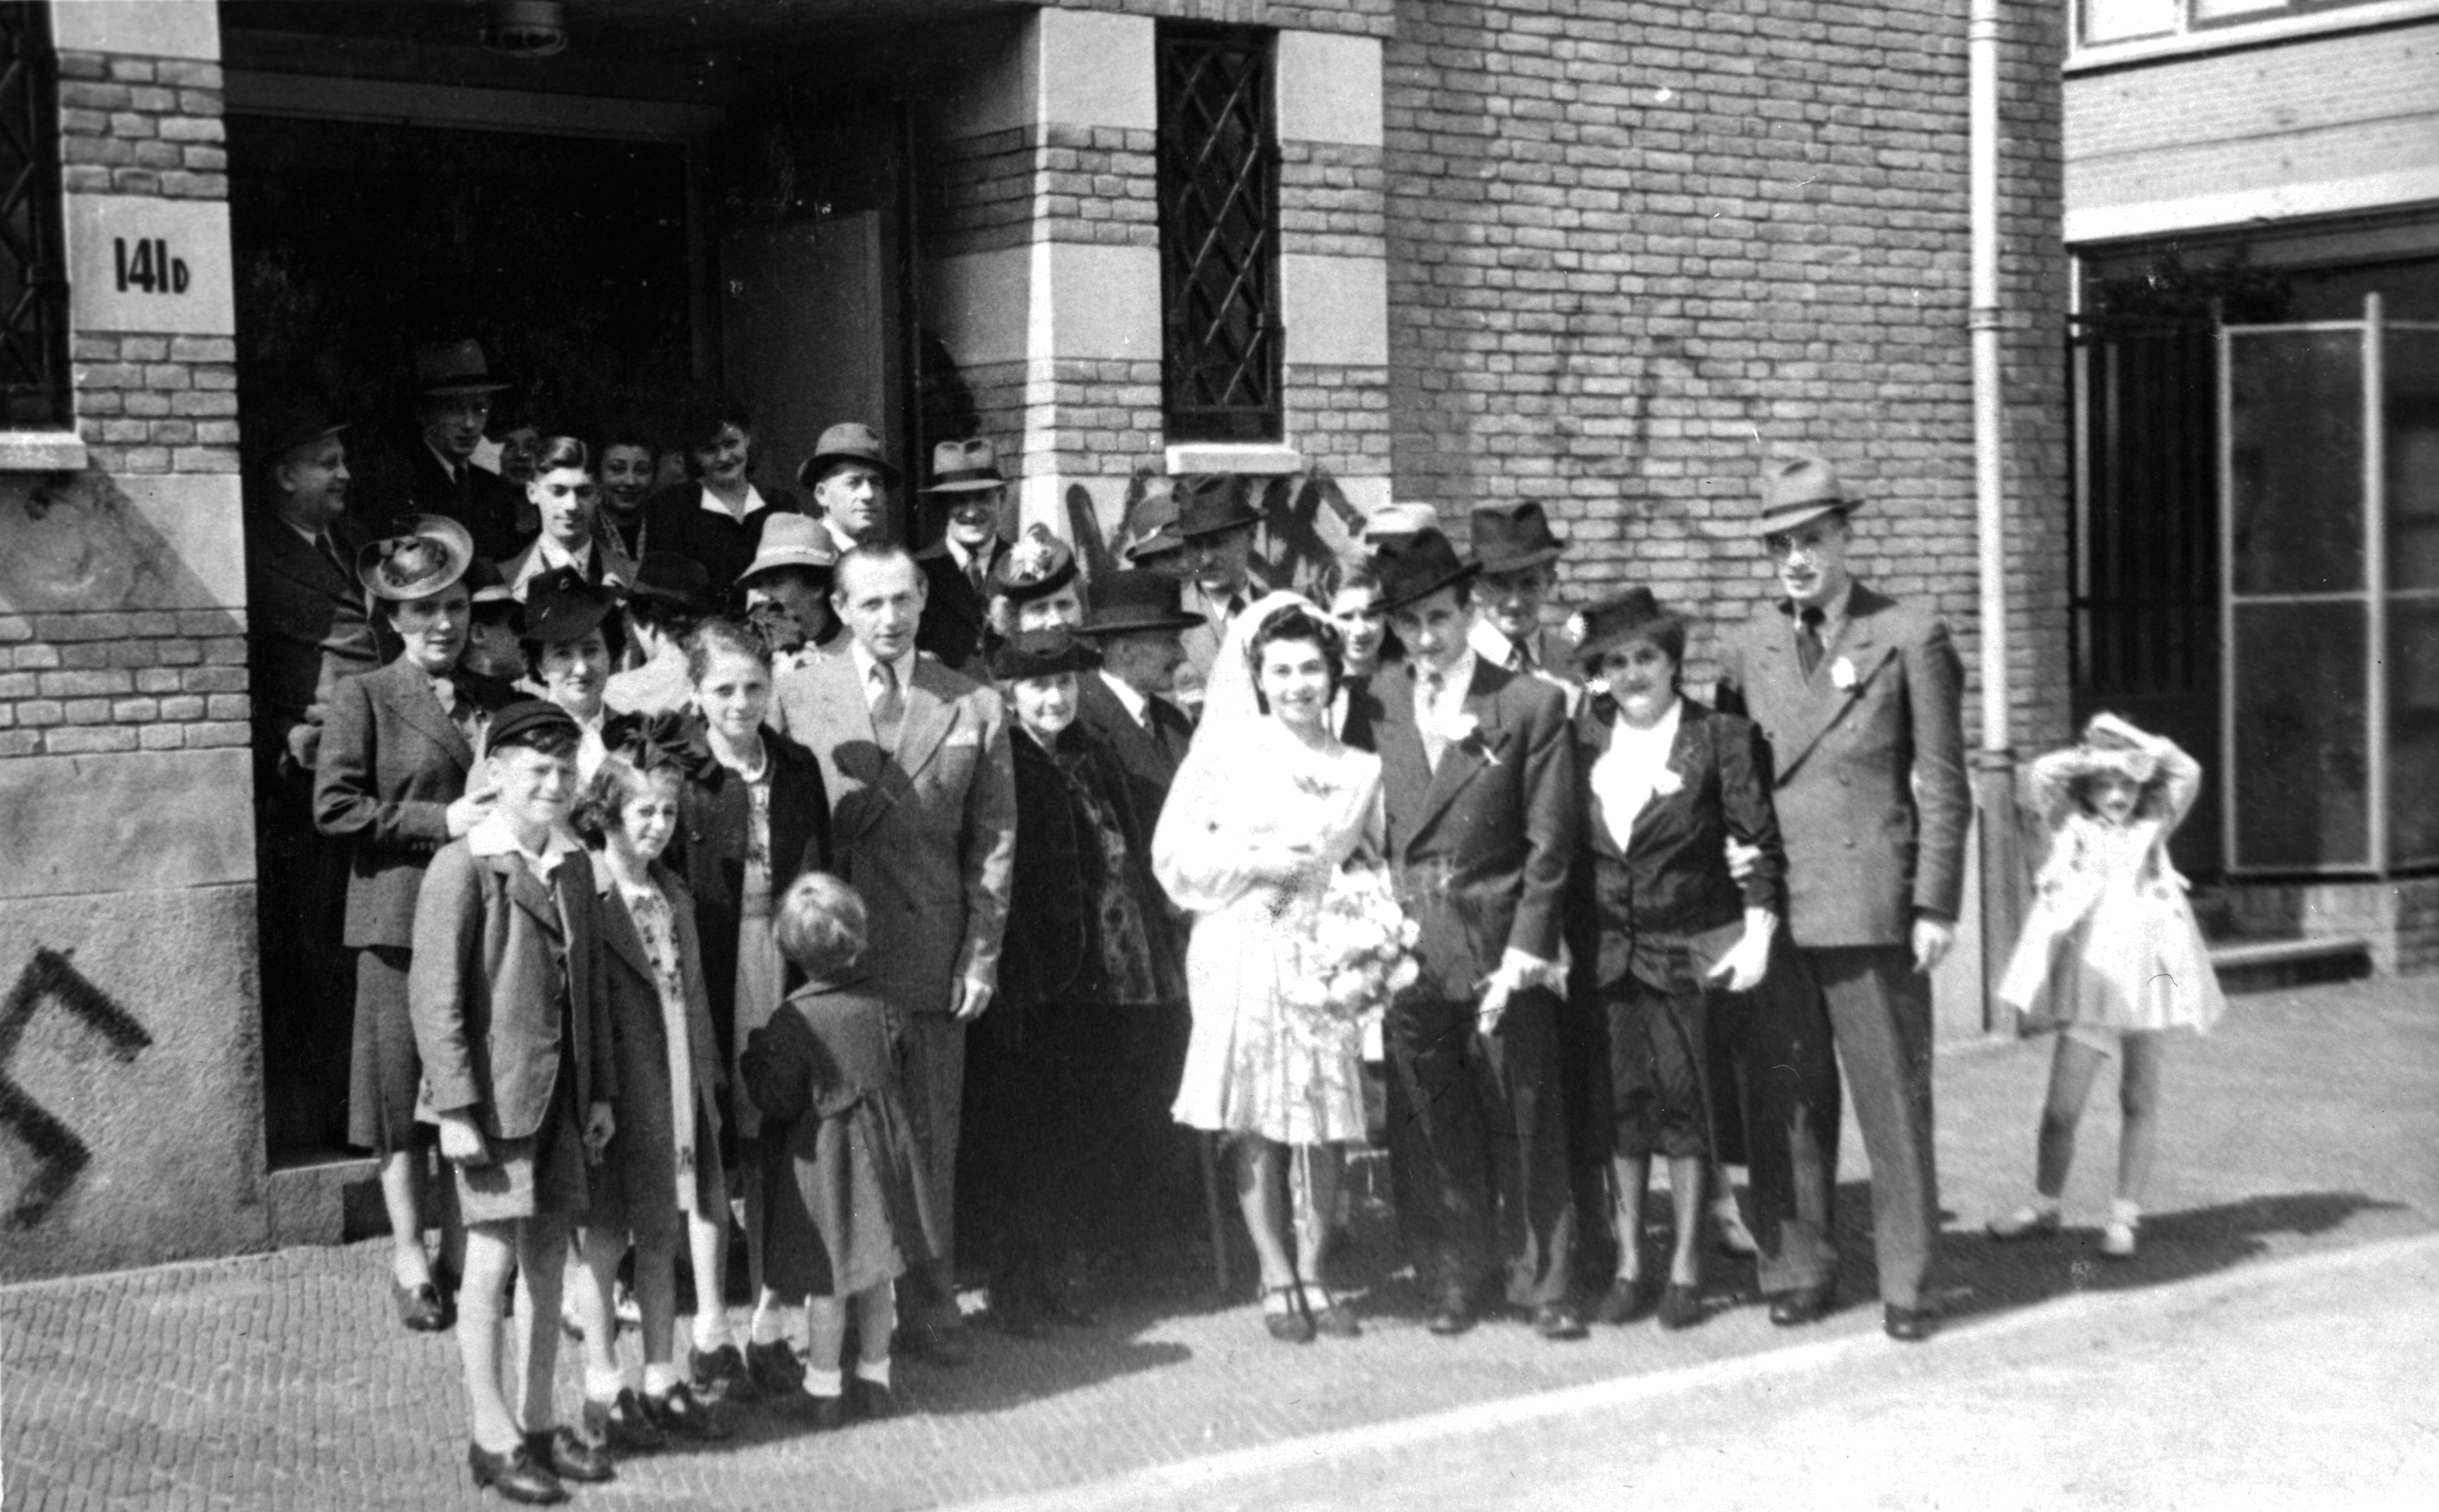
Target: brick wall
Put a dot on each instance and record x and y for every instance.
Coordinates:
(1635, 248)
(86, 683)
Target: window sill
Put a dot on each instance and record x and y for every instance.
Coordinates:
(1253, 458)
(42, 451)
(2233, 35)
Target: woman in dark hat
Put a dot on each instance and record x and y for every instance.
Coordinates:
(397, 746)
(1655, 921)
(1033, 586)
(717, 516)
(571, 642)
(1078, 980)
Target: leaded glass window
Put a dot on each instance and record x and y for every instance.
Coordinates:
(1219, 235)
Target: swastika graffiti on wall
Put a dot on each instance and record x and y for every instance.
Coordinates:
(60, 1157)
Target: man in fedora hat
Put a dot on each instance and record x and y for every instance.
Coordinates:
(1217, 523)
(849, 477)
(1859, 697)
(970, 491)
(307, 612)
(1519, 554)
(1478, 776)
(435, 471)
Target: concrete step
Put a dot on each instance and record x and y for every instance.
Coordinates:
(2260, 966)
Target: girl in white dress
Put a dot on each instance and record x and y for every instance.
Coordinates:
(2111, 956)
(1268, 805)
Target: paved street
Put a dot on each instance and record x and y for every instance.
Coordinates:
(2268, 1341)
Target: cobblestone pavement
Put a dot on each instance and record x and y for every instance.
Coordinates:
(2309, 1123)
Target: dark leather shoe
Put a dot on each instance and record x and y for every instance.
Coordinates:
(940, 1343)
(569, 1457)
(775, 1369)
(827, 1414)
(1629, 1301)
(1557, 1321)
(514, 1475)
(1291, 1324)
(1909, 1324)
(1790, 1309)
(721, 1377)
(1453, 1314)
(623, 1424)
(869, 1399)
(683, 1415)
(1681, 1306)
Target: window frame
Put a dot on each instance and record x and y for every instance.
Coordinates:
(1247, 403)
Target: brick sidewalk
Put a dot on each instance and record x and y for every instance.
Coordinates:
(282, 1380)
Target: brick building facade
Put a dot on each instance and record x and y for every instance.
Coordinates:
(1608, 255)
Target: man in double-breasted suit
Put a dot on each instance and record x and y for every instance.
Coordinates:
(1859, 697)
(923, 824)
(1479, 775)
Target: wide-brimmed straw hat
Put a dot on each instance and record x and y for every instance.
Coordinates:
(428, 557)
(1798, 489)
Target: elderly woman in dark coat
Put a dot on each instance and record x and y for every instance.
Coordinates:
(396, 747)
(1656, 922)
(1047, 1104)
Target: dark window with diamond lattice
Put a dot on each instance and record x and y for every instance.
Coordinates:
(1219, 235)
(33, 285)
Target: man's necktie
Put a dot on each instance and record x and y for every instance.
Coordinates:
(1428, 686)
(1519, 658)
(331, 554)
(888, 706)
(977, 573)
(1808, 638)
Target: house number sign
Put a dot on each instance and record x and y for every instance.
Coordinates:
(143, 264)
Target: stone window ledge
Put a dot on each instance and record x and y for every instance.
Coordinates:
(1264, 458)
(42, 451)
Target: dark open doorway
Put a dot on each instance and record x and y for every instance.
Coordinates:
(355, 242)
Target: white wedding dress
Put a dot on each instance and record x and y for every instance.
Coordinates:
(1249, 782)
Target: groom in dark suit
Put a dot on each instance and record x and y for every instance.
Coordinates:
(1480, 779)
(1858, 694)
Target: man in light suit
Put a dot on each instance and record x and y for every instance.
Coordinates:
(1479, 775)
(923, 824)
(1859, 697)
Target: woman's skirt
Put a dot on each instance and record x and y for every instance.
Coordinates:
(384, 1069)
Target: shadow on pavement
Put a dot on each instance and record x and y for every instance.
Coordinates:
(1979, 1276)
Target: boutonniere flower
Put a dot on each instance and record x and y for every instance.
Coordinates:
(1460, 728)
(1667, 784)
(1842, 673)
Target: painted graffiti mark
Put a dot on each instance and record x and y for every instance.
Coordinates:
(60, 1156)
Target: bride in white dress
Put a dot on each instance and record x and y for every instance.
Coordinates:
(1267, 805)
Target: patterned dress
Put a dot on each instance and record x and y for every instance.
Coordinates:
(1253, 1066)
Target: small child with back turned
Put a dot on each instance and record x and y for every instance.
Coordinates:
(845, 1202)
(2111, 956)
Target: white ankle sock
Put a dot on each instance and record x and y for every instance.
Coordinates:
(659, 1380)
(2122, 1211)
(711, 1332)
(824, 1382)
(875, 1371)
(2045, 1205)
(605, 1385)
(770, 1324)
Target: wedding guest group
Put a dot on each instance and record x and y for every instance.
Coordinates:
(862, 939)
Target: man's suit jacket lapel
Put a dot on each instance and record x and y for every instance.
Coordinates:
(930, 714)
(517, 880)
(1461, 761)
(1817, 704)
(403, 689)
(864, 769)
(1415, 789)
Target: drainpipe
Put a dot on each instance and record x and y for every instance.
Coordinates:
(1994, 765)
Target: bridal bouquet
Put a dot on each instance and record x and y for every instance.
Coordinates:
(1352, 949)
